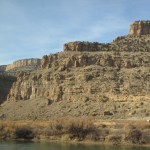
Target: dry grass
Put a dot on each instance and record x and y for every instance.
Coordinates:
(75, 128)
(115, 132)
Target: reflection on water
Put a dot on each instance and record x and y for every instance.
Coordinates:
(62, 146)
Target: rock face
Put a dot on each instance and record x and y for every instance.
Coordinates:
(83, 74)
(139, 28)
(5, 86)
(85, 46)
(23, 64)
(8, 74)
(87, 79)
(123, 43)
(3, 68)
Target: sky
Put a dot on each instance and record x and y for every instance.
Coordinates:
(33, 28)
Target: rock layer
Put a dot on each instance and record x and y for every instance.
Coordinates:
(25, 63)
(139, 28)
(3, 68)
(124, 43)
(84, 74)
(5, 86)
(87, 79)
(85, 46)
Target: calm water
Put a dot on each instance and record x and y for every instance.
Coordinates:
(60, 146)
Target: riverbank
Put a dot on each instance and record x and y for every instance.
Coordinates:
(81, 130)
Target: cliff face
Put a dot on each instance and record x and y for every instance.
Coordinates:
(25, 63)
(85, 46)
(102, 83)
(5, 86)
(8, 74)
(81, 75)
(101, 80)
(123, 43)
(3, 68)
(139, 28)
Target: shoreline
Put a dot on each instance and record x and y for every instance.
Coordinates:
(78, 131)
(86, 143)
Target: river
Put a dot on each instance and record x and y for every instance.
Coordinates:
(62, 146)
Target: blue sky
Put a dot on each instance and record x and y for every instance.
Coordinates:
(33, 28)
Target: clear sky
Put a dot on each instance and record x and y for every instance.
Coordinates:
(33, 28)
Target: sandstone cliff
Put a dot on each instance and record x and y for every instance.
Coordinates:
(8, 73)
(24, 64)
(86, 46)
(105, 79)
(87, 79)
(5, 85)
(123, 43)
(139, 28)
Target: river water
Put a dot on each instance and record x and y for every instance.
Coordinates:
(62, 146)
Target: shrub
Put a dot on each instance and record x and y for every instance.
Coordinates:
(93, 135)
(81, 129)
(146, 136)
(115, 139)
(76, 131)
(135, 136)
(55, 127)
(24, 133)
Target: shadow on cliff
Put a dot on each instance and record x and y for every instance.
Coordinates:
(6, 82)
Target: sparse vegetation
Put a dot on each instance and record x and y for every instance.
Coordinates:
(134, 136)
(24, 133)
(115, 139)
(86, 129)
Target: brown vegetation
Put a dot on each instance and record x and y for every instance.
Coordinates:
(86, 129)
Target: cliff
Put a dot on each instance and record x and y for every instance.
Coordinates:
(5, 86)
(123, 43)
(139, 28)
(24, 64)
(54, 82)
(85, 46)
(87, 79)
(9, 72)
(2, 68)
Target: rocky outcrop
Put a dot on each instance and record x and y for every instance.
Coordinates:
(23, 64)
(132, 44)
(100, 80)
(124, 43)
(117, 84)
(86, 46)
(3, 68)
(65, 61)
(86, 74)
(139, 28)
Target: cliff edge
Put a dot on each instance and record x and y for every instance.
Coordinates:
(139, 28)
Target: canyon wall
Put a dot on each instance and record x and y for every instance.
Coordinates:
(85, 46)
(5, 86)
(99, 84)
(87, 74)
(87, 79)
(8, 74)
(123, 43)
(139, 28)
(23, 63)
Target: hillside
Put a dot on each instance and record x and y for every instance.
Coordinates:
(106, 81)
